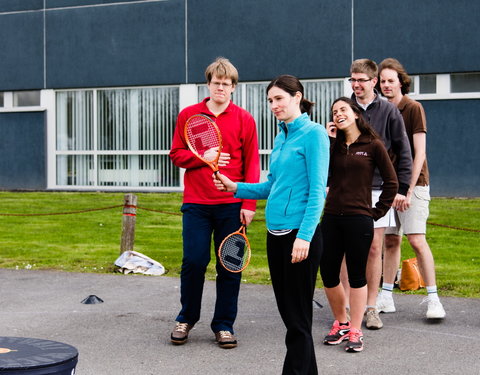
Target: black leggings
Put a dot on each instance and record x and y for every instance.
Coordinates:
(350, 236)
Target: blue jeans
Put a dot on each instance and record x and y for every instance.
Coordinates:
(199, 222)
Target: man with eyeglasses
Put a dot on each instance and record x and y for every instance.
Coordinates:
(206, 210)
(388, 123)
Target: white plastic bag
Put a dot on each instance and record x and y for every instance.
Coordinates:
(133, 261)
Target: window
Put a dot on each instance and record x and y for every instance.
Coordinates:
(26, 98)
(428, 84)
(117, 137)
(465, 82)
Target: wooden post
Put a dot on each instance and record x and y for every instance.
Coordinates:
(128, 222)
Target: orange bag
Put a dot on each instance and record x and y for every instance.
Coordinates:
(411, 278)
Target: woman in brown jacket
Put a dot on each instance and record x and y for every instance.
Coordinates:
(347, 223)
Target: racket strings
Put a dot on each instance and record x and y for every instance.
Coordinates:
(234, 252)
(202, 135)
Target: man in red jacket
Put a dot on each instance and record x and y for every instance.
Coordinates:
(206, 210)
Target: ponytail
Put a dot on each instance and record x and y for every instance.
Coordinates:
(306, 106)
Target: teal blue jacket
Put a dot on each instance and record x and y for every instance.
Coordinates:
(296, 184)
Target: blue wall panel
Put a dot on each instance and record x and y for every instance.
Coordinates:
(21, 51)
(452, 147)
(23, 161)
(70, 3)
(263, 39)
(19, 5)
(128, 44)
(428, 36)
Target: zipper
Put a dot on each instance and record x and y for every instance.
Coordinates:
(345, 169)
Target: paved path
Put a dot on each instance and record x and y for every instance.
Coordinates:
(129, 332)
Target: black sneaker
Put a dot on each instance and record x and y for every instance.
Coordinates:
(337, 334)
(179, 334)
(355, 341)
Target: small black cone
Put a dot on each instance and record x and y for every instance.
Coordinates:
(317, 305)
(92, 299)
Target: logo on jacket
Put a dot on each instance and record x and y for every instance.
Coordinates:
(361, 153)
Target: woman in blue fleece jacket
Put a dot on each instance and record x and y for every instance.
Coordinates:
(295, 191)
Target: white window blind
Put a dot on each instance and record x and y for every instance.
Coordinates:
(116, 137)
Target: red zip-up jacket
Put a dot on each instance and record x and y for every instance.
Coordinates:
(239, 136)
(350, 183)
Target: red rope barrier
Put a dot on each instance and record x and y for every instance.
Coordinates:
(64, 213)
(179, 214)
(457, 228)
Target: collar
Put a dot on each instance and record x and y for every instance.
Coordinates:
(373, 102)
(204, 108)
(295, 124)
(362, 139)
(403, 103)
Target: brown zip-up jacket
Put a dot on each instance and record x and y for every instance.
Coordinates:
(350, 178)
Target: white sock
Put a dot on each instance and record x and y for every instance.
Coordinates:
(387, 289)
(432, 292)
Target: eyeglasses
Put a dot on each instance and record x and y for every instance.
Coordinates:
(361, 80)
(218, 84)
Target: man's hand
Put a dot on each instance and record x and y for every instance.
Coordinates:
(212, 153)
(246, 216)
(400, 203)
(300, 250)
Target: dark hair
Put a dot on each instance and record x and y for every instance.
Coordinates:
(394, 64)
(362, 124)
(291, 84)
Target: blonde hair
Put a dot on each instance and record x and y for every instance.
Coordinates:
(366, 66)
(222, 68)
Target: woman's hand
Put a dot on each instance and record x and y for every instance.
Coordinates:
(223, 183)
(300, 250)
(331, 129)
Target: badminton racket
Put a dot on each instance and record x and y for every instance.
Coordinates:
(234, 251)
(202, 134)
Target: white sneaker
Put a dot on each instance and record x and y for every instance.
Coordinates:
(385, 303)
(435, 308)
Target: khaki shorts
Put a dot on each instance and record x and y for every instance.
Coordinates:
(386, 221)
(414, 220)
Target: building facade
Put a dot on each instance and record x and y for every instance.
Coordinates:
(90, 89)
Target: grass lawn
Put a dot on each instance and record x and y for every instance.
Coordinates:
(90, 241)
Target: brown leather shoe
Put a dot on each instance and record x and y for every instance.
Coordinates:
(179, 334)
(225, 339)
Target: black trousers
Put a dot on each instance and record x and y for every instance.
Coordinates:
(294, 285)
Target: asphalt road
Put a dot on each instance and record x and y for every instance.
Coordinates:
(129, 332)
